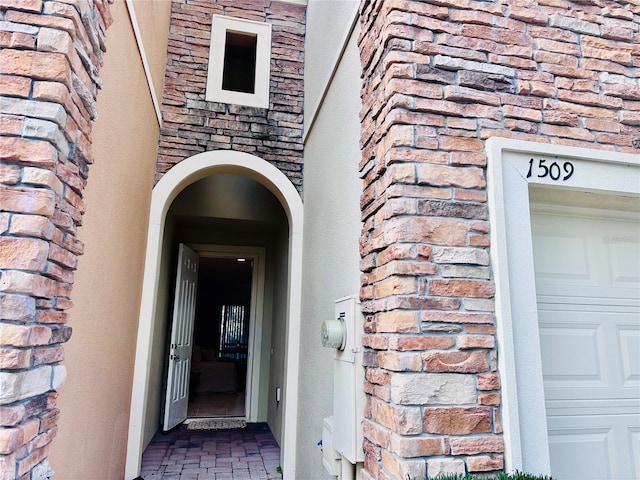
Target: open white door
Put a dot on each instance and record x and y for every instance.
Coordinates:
(177, 400)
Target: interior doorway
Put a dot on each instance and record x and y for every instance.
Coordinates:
(218, 379)
(214, 360)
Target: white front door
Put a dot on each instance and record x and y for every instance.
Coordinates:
(177, 399)
(587, 266)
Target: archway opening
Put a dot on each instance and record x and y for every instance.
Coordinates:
(226, 206)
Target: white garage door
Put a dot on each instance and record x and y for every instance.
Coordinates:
(587, 267)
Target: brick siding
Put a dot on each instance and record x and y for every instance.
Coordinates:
(193, 125)
(50, 54)
(441, 77)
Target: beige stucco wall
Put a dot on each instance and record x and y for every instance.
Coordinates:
(153, 23)
(94, 402)
(330, 256)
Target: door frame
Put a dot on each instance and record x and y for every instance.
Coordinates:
(166, 190)
(519, 359)
(256, 315)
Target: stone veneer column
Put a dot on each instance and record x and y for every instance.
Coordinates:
(50, 55)
(440, 77)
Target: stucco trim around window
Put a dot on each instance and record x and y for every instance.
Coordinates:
(217, 91)
(510, 176)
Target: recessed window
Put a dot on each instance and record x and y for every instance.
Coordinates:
(239, 62)
(239, 70)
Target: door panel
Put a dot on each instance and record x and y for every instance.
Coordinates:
(177, 396)
(629, 345)
(586, 259)
(595, 445)
(587, 267)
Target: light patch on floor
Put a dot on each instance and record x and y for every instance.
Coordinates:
(217, 405)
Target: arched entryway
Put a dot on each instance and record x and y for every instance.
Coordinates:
(203, 167)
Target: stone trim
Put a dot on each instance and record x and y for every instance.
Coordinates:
(50, 56)
(441, 77)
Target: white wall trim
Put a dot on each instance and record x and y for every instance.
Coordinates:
(143, 57)
(170, 185)
(520, 363)
(315, 110)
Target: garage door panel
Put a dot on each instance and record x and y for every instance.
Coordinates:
(586, 257)
(587, 268)
(578, 346)
(572, 265)
(629, 346)
(594, 443)
(607, 443)
(634, 447)
(625, 262)
(566, 260)
(571, 354)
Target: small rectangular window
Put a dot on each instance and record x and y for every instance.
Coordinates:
(239, 70)
(239, 62)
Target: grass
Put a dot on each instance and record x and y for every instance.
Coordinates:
(499, 476)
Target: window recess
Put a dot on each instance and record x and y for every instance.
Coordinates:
(239, 62)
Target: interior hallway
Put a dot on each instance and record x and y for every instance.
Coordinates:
(241, 454)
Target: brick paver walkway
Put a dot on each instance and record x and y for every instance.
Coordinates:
(242, 454)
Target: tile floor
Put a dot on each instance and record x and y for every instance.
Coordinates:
(242, 454)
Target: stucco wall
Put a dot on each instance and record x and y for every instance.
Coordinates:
(153, 22)
(228, 196)
(94, 402)
(157, 375)
(332, 230)
(328, 24)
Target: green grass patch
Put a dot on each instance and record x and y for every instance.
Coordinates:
(497, 476)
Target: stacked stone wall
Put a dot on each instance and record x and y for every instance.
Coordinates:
(50, 55)
(193, 125)
(441, 77)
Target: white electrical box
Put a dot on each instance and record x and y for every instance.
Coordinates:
(348, 382)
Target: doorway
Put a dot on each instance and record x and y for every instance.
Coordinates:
(218, 378)
(226, 358)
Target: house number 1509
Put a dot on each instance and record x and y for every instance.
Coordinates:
(552, 170)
